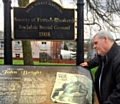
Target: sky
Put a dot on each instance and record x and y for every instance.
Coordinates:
(65, 3)
(1, 16)
(13, 3)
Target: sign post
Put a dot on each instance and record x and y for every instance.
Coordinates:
(7, 33)
(80, 32)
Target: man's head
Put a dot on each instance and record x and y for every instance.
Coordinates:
(103, 41)
(74, 79)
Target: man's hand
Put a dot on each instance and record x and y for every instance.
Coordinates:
(84, 64)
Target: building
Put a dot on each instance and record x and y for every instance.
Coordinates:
(43, 51)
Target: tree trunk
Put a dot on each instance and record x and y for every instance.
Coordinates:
(26, 46)
(27, 53)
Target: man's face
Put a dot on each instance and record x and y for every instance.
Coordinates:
(73, 79)
(99, 45)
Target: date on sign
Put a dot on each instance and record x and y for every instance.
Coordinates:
(44, 34)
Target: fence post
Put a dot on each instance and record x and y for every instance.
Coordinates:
(7, 33)
(80, 32)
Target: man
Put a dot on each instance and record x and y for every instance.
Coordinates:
(107, 77)
(72, 92)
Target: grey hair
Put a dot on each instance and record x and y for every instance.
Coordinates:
(103, 33)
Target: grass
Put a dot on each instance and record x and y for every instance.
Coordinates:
(20, 62)
(93, 70)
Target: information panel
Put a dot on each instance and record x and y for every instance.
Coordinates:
(45, 85)
(44, 19)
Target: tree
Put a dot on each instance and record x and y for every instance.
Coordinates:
(65, 46)
(26, 45)
(101, 14)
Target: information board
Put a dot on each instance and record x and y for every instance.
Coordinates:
(45, 85)
(44, 19)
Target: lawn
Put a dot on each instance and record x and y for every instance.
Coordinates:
(20, 62)
(93, 70)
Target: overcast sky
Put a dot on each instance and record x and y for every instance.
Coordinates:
(1, 15)
(65, 3)
(14, 3)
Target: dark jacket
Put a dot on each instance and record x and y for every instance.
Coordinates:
(110, 81)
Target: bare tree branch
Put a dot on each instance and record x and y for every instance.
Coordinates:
(103, 13)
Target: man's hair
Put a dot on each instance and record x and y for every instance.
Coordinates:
(103, 33)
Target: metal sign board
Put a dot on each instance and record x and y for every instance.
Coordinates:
(45, 85)
(44, 20)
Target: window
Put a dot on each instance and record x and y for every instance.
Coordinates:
(17, 55)
(1, 54)
(17, 45)
(1, 45)
(44, 46)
